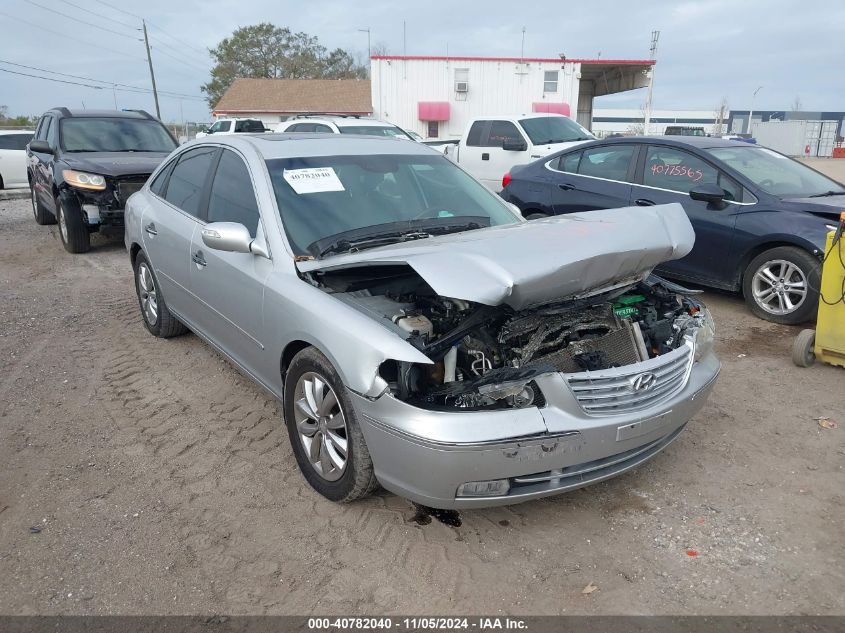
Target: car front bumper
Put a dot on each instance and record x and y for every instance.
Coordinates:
(425, 455)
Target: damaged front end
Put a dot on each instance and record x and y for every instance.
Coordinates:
(100, 200)
(489, 357)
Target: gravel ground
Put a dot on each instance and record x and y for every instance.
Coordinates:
(146, 476)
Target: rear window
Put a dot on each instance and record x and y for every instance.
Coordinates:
(554, 129)
(14, 141)
(373, 130)
(249, 126)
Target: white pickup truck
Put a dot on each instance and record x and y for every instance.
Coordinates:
(493, 144)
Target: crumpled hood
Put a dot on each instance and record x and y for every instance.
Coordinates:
(115, 163)
(532, 263)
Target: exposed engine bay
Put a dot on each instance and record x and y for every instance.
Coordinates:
(488, 356)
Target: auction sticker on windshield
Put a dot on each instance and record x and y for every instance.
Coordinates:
(313, 180)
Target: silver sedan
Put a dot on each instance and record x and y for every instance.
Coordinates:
(420, 334)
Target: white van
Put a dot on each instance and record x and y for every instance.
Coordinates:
(493, 144)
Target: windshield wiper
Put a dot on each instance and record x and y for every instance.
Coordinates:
(827, 193)
(392, 232)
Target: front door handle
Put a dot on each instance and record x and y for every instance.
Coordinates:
(644, 202)
(566, 187)
(199, 259)
(151, 228)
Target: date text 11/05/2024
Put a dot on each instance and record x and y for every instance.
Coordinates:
(417, 623)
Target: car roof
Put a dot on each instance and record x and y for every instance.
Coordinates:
(701, 142)
(341, 121)
(122, 114)
(305, 144)
(17, 131)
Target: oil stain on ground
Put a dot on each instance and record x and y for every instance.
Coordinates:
(423, 515)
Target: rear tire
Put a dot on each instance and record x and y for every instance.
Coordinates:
(73, 230)
(319, 433)
(781, 285)
(42, 216)
(804, 348)
(158, 319)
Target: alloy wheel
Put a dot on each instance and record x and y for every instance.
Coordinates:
(60, 212)
(147, 291)
(779, 287)
(321, 425)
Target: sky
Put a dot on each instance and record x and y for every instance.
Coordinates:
(707, 50)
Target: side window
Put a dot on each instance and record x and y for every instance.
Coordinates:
(569, 163)
(609, 161)
(184, 189)
(671, 168)
(501, 132)
(41, 130)
(474, 136)
(232, 195)
(301, 127)
(319, 127)
(158, 184)
(249, 125)
(52, 132)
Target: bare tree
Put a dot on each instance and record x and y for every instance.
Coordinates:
(379, 48)
(720, 115)
(797, 106)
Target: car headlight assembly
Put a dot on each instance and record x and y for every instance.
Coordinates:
(84, 180)
(705, 336)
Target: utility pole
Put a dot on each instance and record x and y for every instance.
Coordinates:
(522, 48)
(152, 74)
(369, 51)
(655, 35)
(751, 111)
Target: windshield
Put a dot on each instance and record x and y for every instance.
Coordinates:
(86, 134)
(326, 196)
(775, 173)
(554, 129)
(373, 130)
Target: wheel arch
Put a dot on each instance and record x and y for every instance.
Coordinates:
(133, 253)
(762, 247)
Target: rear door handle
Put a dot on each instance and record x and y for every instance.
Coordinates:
(199, 259)
(566, 187)
(151, 229)
(485, 156)
(644, 202)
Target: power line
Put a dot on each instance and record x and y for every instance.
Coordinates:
(187, 64)
(43, 28)
(103, 81)
(174, 38)
(61, 81)
(75, 19)
(192, 59)
(103, 17)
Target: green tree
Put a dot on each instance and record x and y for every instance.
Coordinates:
(271, 52)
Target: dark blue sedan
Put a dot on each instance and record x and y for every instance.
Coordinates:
(760, 218)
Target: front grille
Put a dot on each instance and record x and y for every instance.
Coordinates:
(611, 391)
(126, 188)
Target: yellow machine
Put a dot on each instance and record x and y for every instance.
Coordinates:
(827, 341)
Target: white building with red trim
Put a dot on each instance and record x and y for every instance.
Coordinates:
(437, 96)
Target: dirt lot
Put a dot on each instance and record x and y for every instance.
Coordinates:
(147, 476)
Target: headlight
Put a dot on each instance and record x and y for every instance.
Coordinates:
(705, 335)
(84, 180)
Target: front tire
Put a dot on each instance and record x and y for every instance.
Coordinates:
(158, 319)
(72, 228)
(782, 285)
(324, 432)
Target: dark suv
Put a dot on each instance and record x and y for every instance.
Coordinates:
(83, 165)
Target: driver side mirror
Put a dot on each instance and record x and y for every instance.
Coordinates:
(514, 146)
(227, 236)
(40, 147)
(710, 193)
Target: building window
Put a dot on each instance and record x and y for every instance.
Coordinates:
(550, 81)
(461, 82)
(433, 129)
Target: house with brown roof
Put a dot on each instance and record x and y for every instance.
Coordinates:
(274, 100)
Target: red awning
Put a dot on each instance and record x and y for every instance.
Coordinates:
(433, 110)
(551, 108)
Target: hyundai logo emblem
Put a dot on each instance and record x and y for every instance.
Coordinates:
(643, 382)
